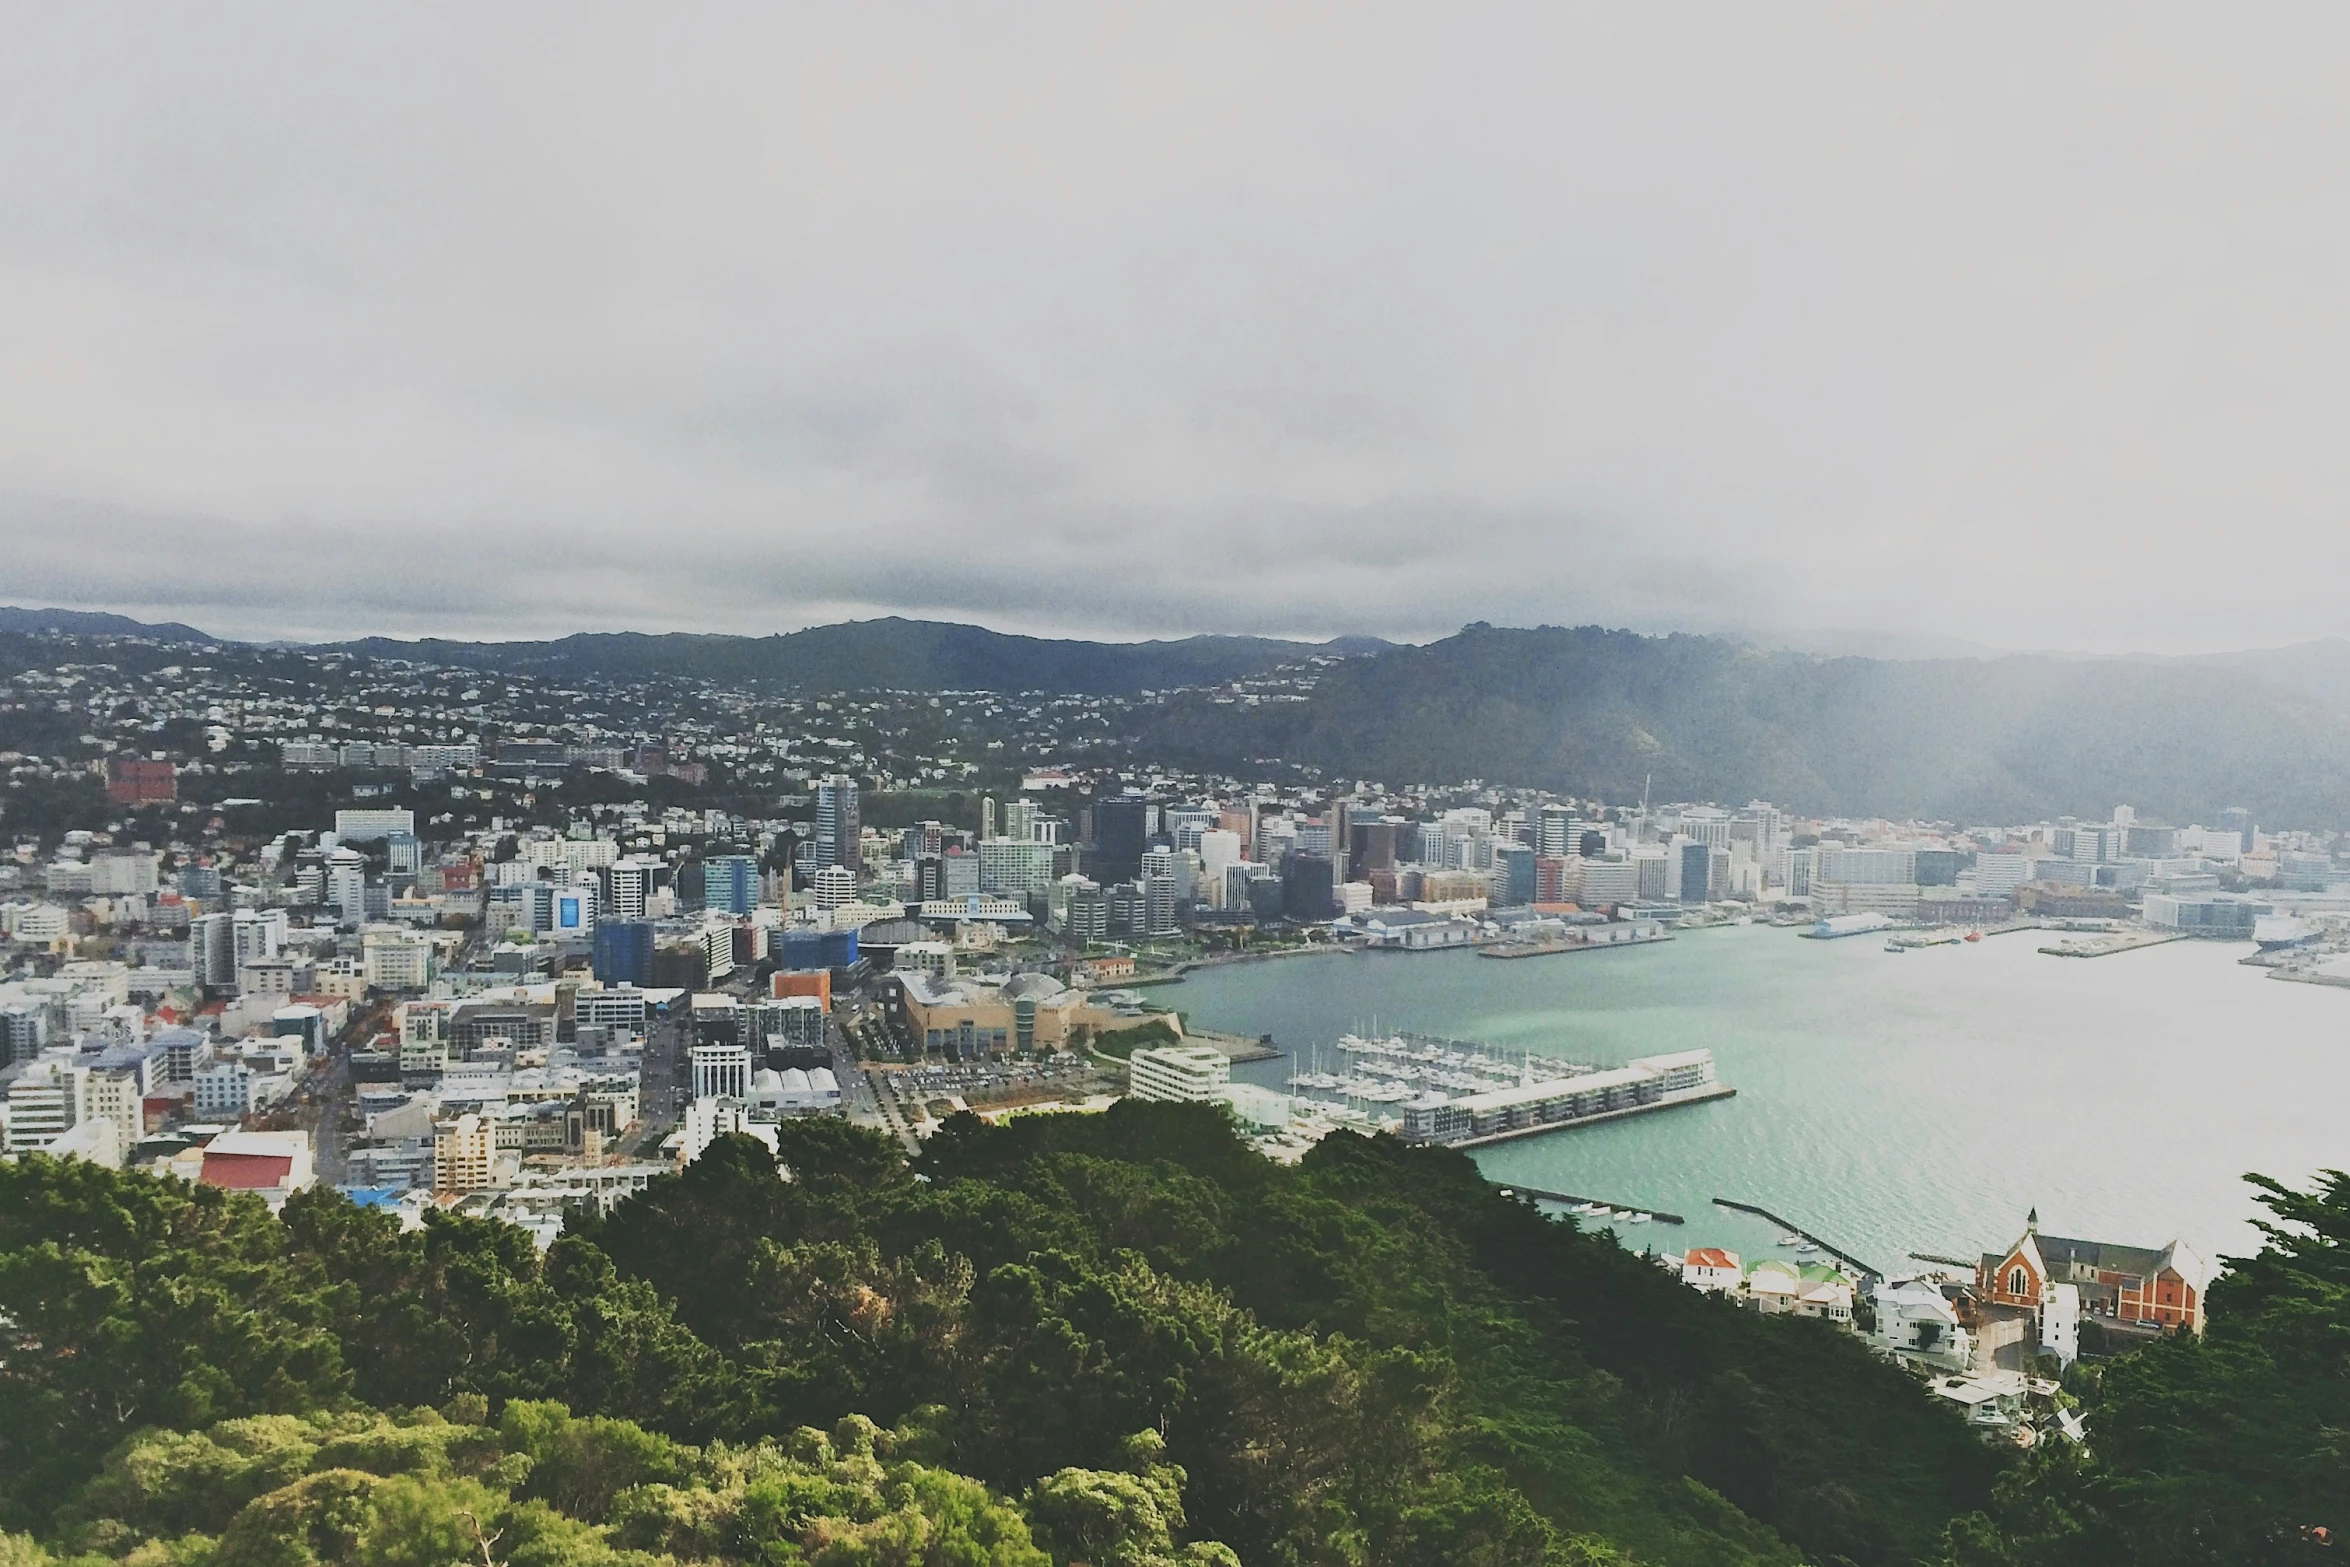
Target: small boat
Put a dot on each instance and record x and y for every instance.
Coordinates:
(1895, 946)
(1790, 1240)
(1974, 935)
(1806, 1249)
(1636, 1217)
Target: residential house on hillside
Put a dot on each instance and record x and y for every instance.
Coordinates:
(1713, 1270)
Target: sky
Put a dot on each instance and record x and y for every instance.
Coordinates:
(2021, 324)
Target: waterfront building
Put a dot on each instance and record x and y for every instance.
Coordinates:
(1713, 1270)
(1917, 1321)
(1646, 1083)
(966, 1018)
(1191, 1073)
(2153, 1289)
(2217, 916)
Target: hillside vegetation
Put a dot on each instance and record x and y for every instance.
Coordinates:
(1608, 714)
(887, 654)
(1120, 1338)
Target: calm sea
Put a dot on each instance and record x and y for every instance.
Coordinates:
(1889, 1103)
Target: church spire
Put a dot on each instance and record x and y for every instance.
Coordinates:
(2032, 1221)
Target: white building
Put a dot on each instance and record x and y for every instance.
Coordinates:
(1713, 1270)
(833, 886)
(721, 1072)
(1191, 1073)
(1915, 1321)
(370, 826)
(396, 959)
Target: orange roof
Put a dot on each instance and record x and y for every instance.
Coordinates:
(1708, 1257)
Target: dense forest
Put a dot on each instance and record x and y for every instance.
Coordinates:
(1609, 714)
(1114, 1339)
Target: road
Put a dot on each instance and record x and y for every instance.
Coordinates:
(661, 1084)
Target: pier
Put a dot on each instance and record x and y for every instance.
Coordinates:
(1572, 1201)
(2107, 945)
(1792, 1228)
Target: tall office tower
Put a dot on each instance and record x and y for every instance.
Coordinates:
(624, 952)
(631, 886)
(838, 826)
(987, 818)
(1694, 860)
(212, 950)
(2238, 820)
(730, 884)
(1120, 832)
(1019, 820)
(1556, 835)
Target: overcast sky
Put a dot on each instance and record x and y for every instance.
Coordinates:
(2025, 326)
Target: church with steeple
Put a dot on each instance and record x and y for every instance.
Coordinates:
(2144, 1288)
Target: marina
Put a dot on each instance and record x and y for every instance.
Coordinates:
(1462, 1095)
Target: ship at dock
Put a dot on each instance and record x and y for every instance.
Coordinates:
(1459, 1095)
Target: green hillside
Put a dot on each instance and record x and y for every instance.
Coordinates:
(1117, 1338)
(1604, 713)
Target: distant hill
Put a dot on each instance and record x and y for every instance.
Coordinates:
(1600, 712)
(2315, 669)
(889, 654)
(93, 623)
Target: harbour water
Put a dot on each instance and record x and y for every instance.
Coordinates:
(1890, 1103)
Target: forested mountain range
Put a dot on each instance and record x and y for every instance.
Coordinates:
(1592, 711)
(1610, 714)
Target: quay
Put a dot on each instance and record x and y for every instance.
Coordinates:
(1791, 1227)
(2106, 946)
(1527, 1108)
(1237, 1048)
(1591, 1202)
(1549, 945)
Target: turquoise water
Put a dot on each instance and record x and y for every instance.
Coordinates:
(1888, 1103)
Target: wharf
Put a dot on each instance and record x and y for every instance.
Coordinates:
(1700, 1096)
(1792, 1228)
(1539, 949)
(1237, 1048)
(2107, 945)
(1572, 1201)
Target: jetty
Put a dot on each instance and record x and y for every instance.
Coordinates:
(1866, 1270)
(1554, 944)
(1572, 1201)
(2107, 945)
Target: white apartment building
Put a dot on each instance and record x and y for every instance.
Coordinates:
(368, 826)
(224, 1090)
(465, 1155)
(396, 959)
(1015, 867)
(1191, 1073)
(42, 1105)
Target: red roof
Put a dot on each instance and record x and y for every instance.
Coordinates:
(1708, 1257)
(246, 1172)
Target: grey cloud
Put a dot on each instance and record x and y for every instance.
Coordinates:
(2013, 325)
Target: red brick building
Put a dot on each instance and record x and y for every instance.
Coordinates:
(134, 780)
(2131, 1284)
